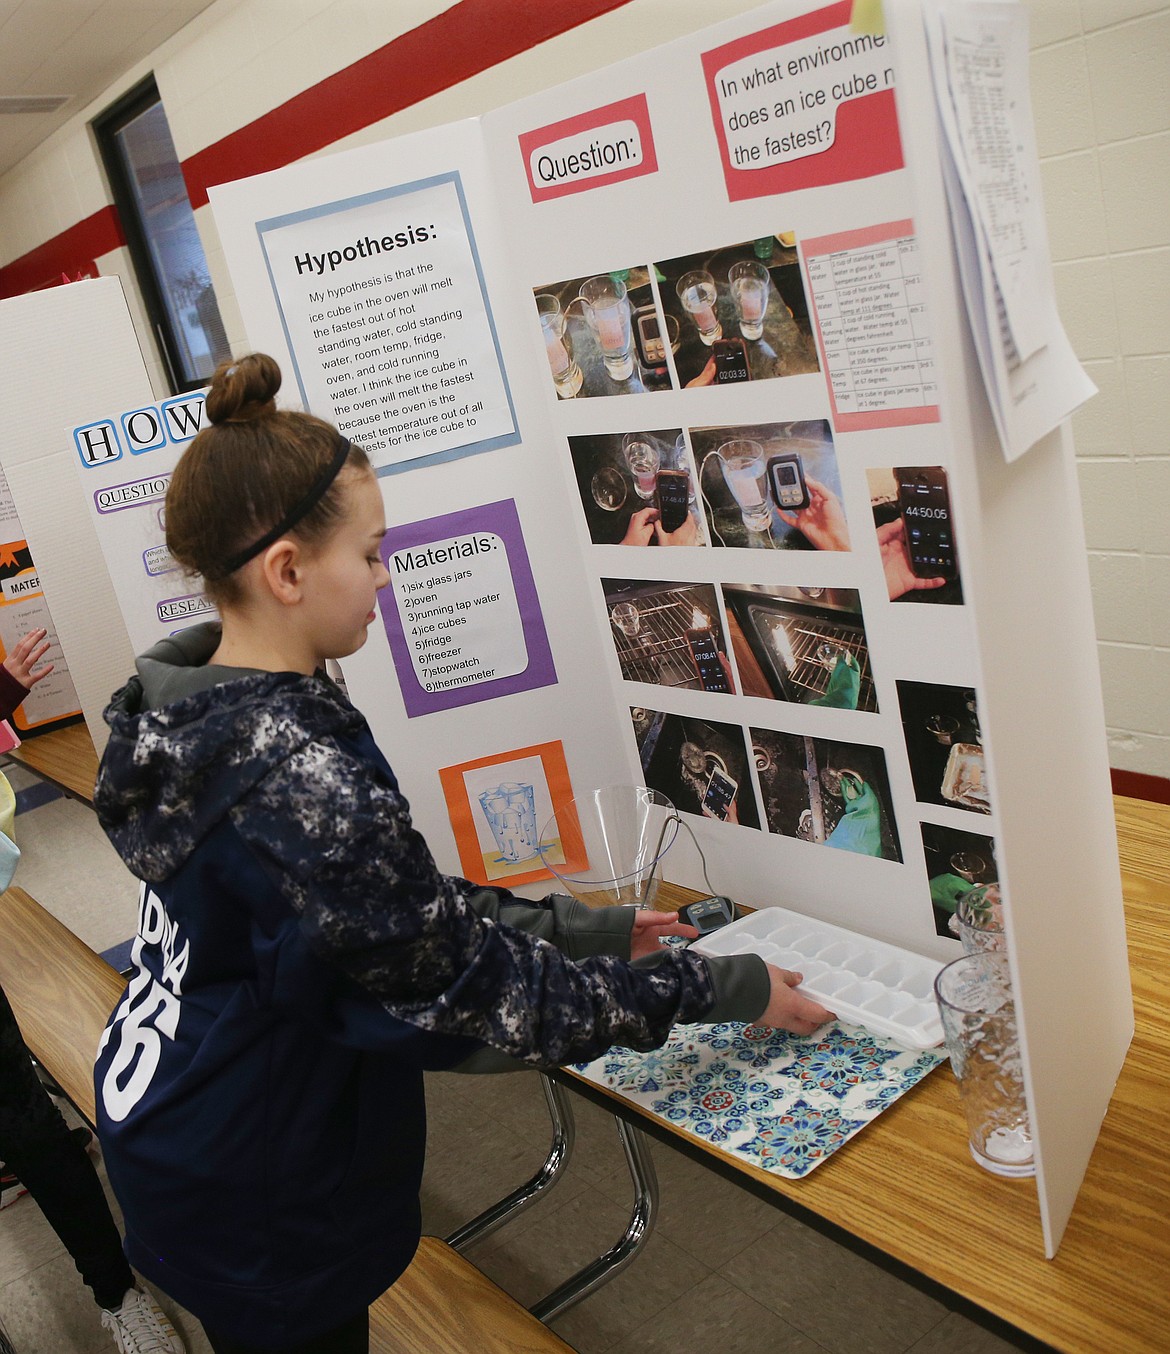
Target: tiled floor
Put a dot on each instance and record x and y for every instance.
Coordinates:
(723, 1270)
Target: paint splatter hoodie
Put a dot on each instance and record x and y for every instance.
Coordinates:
(300, 961)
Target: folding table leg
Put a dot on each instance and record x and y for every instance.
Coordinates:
(637, 1233)
(564, 1131)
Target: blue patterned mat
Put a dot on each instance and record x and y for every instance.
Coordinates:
(783, 1102)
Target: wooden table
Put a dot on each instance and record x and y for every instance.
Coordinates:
(60, 991)
(64, 757)
(907, 1187)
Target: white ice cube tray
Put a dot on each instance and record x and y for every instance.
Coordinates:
(866, 982)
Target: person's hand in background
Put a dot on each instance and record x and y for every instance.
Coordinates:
(731, 816)
(844, 688)
(646, 525)
(641, 528)
(687, 534)
(705, 378)
(26, 653)
(823, 521)
(900, 577)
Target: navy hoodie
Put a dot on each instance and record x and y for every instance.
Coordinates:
(300, 961)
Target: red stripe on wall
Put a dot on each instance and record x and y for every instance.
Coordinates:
(71, 252)
(470, 37)
(1138, 785)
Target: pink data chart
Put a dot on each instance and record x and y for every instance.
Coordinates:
(871, 317)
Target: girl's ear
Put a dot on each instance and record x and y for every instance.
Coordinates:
(280, 568)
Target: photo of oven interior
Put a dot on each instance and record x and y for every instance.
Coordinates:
(800, 785)
(649, 624)
(679, 755)
(787, 641)
(945, 745)
(955, 862)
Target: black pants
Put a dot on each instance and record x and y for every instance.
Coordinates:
(352, 1337)
(36, 1146)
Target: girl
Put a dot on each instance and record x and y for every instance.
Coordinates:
(300, 960)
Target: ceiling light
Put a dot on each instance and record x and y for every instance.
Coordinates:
(32, 103)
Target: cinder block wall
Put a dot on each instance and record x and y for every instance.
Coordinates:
(1101, 97)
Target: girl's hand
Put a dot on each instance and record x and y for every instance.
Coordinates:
(788, 1009)
(732, 815)
(25, 655)
(706, 377)
(650, 926)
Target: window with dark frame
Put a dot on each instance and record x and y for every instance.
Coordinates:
(151, 197)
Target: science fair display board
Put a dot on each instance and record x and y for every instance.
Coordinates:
(67, 351)
(692, 481)
(53, 700)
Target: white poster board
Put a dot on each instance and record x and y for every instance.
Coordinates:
(23, 608)
(67, 351)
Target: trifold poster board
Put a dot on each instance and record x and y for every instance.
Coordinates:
(53, 699)
(691, 480)
(65, 351)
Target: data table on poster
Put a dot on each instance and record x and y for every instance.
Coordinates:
(871, 311)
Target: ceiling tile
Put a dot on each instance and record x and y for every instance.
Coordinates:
(74, 47)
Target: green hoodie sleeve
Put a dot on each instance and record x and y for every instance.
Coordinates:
(741, 982)
(575, 929)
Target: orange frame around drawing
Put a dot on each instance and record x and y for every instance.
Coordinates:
(459, 810)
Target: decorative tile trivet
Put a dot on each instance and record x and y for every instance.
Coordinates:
(783, 1102)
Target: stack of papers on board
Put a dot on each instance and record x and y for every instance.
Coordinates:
(979, 64)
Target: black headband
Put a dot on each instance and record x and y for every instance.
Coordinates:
(299, 509)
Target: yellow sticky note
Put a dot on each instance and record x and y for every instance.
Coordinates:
(867, 17)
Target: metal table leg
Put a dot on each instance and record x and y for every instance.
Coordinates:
(637, 1233)
(564, 1131)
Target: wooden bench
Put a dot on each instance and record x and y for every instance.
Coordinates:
(444, 1305)
(62, 994)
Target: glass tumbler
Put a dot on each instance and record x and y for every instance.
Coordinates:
(697, 292)
(750, 283)
(644, 457)
(510, 809)
(742, 463)
(567, 375)
(979, 919)
(974, 997)
(607, 309)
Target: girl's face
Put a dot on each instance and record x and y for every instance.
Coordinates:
(343, 575)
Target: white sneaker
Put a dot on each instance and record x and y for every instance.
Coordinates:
(140, 1326)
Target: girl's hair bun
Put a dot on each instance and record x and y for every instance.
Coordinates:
(243, 389)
